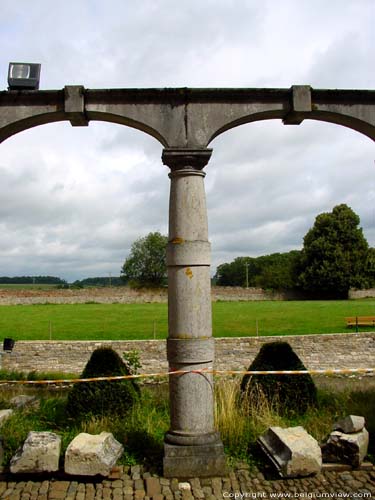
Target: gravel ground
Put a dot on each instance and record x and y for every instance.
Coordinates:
(133, 483)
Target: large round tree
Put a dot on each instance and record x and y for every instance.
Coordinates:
(146, 264)
(334, 255)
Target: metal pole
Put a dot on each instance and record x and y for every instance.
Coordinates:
(247, 274)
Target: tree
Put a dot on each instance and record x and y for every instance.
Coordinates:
(99, 281)
(276, 271)
(234, 273)
(370, 267)
(146, 264)
(334, 255)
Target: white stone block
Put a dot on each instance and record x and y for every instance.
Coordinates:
(4, 415)
(350, 424)
(344, 448)
(24, 400)
(89, 454)
(293, 451)
(39, 453)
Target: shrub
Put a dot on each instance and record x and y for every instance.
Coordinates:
(103, 397)
(288, 393)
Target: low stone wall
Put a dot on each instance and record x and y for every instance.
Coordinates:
(349, 350)
(125, 295)
(362, 294)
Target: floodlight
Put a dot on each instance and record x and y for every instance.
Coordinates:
(8, 344)
(23, 76)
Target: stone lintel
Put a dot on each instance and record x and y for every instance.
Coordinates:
(186, 159)
(74, 105)
(181, 252)
(300, 104)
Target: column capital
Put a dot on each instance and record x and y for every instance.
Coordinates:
(186, 159)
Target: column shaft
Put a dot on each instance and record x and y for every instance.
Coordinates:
(192, 447)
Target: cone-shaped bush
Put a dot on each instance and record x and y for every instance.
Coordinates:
(103, 397)
(287, 393)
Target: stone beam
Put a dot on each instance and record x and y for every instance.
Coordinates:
(186, 118)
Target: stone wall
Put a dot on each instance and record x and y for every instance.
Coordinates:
(362, 294)
(349, 350)
(125, 295)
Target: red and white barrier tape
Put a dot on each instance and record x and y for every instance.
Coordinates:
(339, 371)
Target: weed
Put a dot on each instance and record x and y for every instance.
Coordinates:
(241, 421)
(132, 361)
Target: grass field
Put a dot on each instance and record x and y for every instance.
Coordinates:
(139, 321)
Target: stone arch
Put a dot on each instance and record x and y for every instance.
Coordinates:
(29, 122)
(345, 120)
(54, 117)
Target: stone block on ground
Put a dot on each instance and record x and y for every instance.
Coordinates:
(89, 454)
(350, 424)
(23, 400)
(39, 453)
(344, 448)
(4, 415)
(293, 451)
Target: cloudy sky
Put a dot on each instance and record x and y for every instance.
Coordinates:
(74, 199)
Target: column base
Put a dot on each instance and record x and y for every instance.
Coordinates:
(204, 460)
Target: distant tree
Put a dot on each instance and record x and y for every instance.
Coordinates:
(99, 281)
(276, 271)
(234, 273)
(29, 280)
(146, 264)
(370, 267)
(335, 254)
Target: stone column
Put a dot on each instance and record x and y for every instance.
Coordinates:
(192, 447)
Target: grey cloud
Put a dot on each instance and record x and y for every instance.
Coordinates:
(74, 200)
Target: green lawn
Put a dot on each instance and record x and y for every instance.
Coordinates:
(233, 319)
(138, 321)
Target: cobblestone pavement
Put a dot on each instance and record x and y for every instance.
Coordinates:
(132, 483)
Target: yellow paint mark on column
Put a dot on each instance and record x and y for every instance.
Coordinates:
(189, 272)
(178, 241)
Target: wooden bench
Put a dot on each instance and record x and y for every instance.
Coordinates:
(360, 321)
